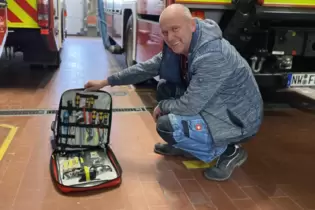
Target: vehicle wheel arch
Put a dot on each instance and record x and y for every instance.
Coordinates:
(127, 13)
(130, 37)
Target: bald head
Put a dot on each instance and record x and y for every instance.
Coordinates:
(177, 26)
(175, 11)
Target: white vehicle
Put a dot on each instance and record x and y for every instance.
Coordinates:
(276, 37)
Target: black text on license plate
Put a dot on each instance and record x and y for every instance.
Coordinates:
(298, 80)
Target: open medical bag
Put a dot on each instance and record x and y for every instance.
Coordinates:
(82, 159)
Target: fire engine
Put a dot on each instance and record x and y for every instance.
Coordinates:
(3, 24)
(276, 37)
(37, 29)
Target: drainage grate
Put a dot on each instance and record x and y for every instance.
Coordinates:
(27, 112)
(40, 112)
(137, 109)
(118, 93)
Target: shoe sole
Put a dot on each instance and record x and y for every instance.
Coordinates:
(161, 153)
(167, 154)
(240, 163)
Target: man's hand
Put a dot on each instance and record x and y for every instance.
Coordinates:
(95, 84)
(157, 112)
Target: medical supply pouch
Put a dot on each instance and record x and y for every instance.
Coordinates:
(82, 159)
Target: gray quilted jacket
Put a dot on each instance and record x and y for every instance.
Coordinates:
(222, 88)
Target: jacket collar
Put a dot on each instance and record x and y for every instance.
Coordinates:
(195, 37)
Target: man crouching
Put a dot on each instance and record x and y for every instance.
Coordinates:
(208, 99)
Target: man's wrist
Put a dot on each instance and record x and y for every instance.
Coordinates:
(104, 83)
(111, 80)
(160, 105)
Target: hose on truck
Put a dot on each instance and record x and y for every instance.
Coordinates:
(102, 24)
(115, 49)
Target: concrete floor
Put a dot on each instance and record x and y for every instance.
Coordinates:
(279, 173)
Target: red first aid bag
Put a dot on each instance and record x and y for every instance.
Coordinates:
(82, 159)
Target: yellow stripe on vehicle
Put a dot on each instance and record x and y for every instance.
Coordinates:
(27, 21)
(205, 1)
(33, 3)
(290, 2)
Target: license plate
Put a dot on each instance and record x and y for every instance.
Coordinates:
(301, 80)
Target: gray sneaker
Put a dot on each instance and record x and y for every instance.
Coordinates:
(168, 150)
(226, 164)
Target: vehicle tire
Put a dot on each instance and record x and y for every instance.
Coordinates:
(129, 42)
(55, 66)
(128, 48)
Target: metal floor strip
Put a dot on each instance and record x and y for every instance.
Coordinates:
(40, 112)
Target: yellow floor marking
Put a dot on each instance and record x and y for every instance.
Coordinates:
(5, 145)
(194, 164)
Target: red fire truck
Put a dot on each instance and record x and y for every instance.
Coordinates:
(37, 29)
(277, 37)
(3, 24)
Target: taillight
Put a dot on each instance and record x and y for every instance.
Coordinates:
(43, 13)
(199, 14)
(260, 2)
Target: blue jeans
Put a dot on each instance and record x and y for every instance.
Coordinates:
(189, 133)
(166, 90)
